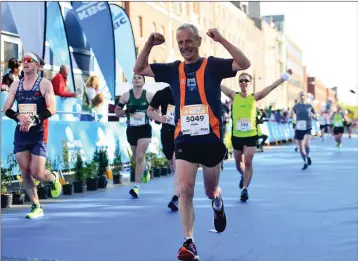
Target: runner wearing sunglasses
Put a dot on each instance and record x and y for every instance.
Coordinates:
(244, 130)
(304, 112)
(35, 104)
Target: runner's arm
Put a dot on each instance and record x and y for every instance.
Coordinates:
(228, 92)
(241, 62)
(10, 99)
(262, 94)
(122, 102)
(153, 108)
(149, 97)
(142, 66)
(49, 96)
(153, 114)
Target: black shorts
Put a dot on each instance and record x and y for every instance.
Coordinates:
(294, 125)
(324, 128)
(239, 143)
(206, 154)
(300, 134)
(138, 132)
(167, 139)
(338, 130)
(348, 124)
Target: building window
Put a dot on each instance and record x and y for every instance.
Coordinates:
(154, 27)
(140, 26)
(162, 31)
(11, 50)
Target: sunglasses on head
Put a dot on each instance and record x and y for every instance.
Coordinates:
(244, 80)
(29, 60)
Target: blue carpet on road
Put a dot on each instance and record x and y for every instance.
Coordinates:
(292, 215)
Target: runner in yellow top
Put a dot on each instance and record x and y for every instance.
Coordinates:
(338, 119)
(244, 132)
(348, 123)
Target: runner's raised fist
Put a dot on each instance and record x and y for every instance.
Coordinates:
(215, 35)
(156, 39)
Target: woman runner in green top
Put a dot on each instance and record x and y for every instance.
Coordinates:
(338, 119)
(139, 130)
(244, 132)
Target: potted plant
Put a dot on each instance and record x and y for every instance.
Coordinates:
(91, 175)
(48, 166)
(65, 157)
(155, 162)
(80, 175)
(43, 191)
(117, 165)
(18, 197)
(6, 198)
(164, 166)
(102, 167)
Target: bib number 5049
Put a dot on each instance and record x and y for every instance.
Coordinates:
(194, 118)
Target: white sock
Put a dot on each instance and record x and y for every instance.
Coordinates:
(187, 238)
(218, 204)
(244, 188)
(136, 185)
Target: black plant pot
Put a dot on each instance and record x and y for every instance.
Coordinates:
(78, 187)
(157, 172)
(164, 171)
(102, 182)
(43, 192)
(6, 200)
(92, 184)
(67, 189)
(18, 198)
(117, 179)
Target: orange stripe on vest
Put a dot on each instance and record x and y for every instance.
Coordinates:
(214, 122)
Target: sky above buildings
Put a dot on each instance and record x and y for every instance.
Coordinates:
(327, 33)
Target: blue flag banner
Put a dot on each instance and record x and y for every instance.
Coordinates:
(96, 22)
(124, 42)
(32, 34)
(57, 39)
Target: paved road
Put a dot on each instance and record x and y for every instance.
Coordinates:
(292, 215)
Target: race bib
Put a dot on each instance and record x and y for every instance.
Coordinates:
(244, 125)
(301, 125)
(195, 120)
(137, 119)
(28, 109)
(338, 124)
(171, 114)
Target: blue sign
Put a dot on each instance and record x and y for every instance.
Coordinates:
(124, 42)
(57, 39)
(96, 22)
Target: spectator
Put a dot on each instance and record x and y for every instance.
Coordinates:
(92, 87)
(97, 107)
(12, 75)
(59, 83)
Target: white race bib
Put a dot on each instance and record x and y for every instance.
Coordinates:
(28, 109)
(338, 124)
(171, 114)
(244, 125)
(301, 125)
(137, 119)
(195, 120)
